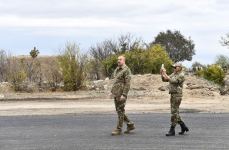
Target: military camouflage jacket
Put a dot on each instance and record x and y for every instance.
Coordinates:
(176, 83)
(122, 79)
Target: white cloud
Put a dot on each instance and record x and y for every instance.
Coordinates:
(13, 21)
(204, 20)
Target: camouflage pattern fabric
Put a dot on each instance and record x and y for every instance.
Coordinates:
(121, 86)
(120, 109)
(176, 90)
(175, 101)
(176, 83)
(122, 79)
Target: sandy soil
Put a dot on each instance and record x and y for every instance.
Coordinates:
(106, 105)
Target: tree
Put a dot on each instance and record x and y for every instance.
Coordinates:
(128, 42)
(33, 67)
(223, 61)
(72, 65)
(177, 46)
(99, 53)
(196, 66)
(51, 72)
(225, 40)
(34, 53)
(110, 47)
(3, 65)
(156, 57)
(124, 43)
(142, 61)
(102, 50)
(16, 73)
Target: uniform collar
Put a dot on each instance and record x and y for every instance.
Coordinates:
(178, 72)
(122, 67)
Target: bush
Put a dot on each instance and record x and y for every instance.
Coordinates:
(142, 61)
(17, 79)
(212, 73)
(16, 74)
(95, 70)
(4, 58)
(102, 52)
(52, 75)
(110, 64)
(156, 55)
(72, 66)
(223, 61)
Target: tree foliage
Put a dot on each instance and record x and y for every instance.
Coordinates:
(104, 50)
(196, 66)
(213, 73)
(177, 46)
(142, 61)
(4, 61)
(34, 52)
(222, 61)
(225, 40)
(72, 65)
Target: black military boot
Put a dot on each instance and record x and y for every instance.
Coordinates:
(130, 127)
(184, 128)
(171, 131)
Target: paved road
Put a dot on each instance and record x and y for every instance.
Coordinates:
(76, 132)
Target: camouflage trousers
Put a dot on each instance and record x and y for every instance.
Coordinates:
(175, 101)
(120, 109)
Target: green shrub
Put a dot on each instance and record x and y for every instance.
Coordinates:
(17, 79)
(72, 66)
(110, 64)
(141, 61)
(212, 73)
(156, 55)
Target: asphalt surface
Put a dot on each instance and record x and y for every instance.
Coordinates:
(79, 132)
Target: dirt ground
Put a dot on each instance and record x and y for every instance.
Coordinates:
(148, 94)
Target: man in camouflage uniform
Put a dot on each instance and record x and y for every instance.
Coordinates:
(176, 80)
(119, 92)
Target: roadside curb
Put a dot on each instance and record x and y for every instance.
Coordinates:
(47, 98)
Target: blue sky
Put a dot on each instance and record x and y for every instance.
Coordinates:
(49, 24)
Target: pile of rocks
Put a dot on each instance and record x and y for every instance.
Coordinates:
(200, 87)
(150, 84)
(99, 85)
